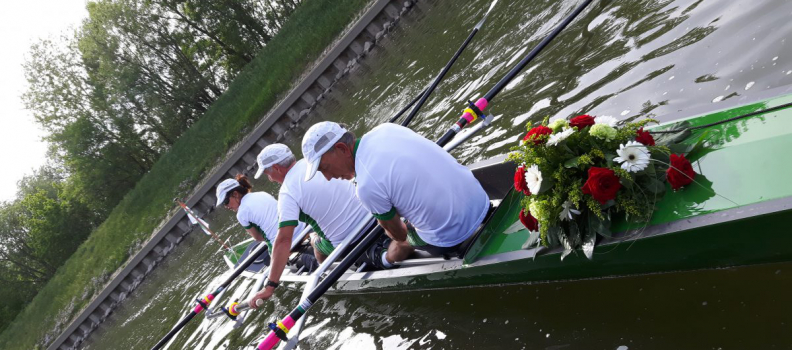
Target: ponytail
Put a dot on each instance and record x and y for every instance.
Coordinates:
(244, 185)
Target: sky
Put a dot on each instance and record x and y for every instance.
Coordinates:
(22, 23)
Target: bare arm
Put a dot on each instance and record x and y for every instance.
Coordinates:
(395, 228)
(281, 249)
(255, 234)
(280, 252)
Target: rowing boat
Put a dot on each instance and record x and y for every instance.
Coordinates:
(735, 216)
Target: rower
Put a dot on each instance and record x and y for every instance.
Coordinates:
(257, 212)
(331, 208)
(401, 174)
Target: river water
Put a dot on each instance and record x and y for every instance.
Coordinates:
(621, 58)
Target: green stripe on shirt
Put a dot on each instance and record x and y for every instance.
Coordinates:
(288, 223)
(386, 216)
(310, 221)
(263, 234)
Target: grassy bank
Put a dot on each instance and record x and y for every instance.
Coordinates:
(313, 27)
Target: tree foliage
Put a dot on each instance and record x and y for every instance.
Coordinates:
(118, 92)
(113, 96)
(38, 232)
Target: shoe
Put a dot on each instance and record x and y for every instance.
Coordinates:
(373, 256)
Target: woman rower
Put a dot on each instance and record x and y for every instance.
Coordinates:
(257, 212)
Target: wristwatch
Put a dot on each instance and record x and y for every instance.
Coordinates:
(271, 284)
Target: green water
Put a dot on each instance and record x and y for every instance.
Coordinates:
(620, 58)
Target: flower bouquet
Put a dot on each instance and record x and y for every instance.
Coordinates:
(578, 174)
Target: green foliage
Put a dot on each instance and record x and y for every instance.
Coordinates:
(312, 27)
(117, 93)
(38, 231)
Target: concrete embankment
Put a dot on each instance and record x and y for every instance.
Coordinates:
(353, 47)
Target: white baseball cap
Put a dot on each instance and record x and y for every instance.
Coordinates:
(271, 155)
(223, 188)
(318, 140)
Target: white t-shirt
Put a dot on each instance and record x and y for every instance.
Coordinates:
(330, 207)
(260, 210)
(399, 171)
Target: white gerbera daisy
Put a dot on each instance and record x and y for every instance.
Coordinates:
(633, 156)
(533, 177)
(560, 136)
(567, 211)
(607, 120)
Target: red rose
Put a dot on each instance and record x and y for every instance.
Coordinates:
(534, 134)
(680, 173)
(602, 184)
(644, 137)
(519, 181)
(582, 121)
(529, 221)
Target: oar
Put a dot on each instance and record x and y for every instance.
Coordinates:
(474, 111)
(393, 119)
(428, 91)
(448, 65)
(281, 328)
(204, 303)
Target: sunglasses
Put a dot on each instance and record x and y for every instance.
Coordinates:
(225, 201)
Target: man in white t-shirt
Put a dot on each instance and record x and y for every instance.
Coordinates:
(331, 208)
(402, 174)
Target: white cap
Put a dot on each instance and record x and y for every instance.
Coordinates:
(318, 140)
(271, 155)
(223, 188)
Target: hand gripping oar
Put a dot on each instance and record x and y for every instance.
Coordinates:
(280, 329)
(203, 303)
(475, 110)
(363, 227)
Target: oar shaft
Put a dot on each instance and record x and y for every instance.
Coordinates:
(393, 119)
(287, 323)
(439, 78)
(468, 116)
(175, 330)
(208, 299)
(531, 55)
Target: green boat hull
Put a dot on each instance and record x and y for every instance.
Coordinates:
(737, 214)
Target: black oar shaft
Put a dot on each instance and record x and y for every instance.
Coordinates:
(175, 330)
(531, 55)
(424, 95)
(439, 78)
(482, 103)
(427, 92)
(393, 119)
(238, 271)
(282, 327)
